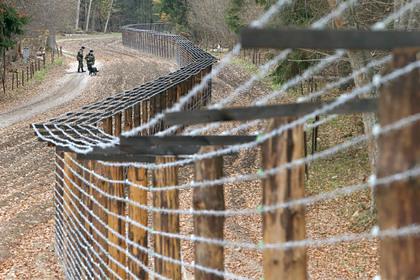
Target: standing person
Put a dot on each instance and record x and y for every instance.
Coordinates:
(90, 61)
(80, 60)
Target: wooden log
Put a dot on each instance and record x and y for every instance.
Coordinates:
(59, 196)
(211, 198)
(136, 115)
(128, 119)
(98, 212)
(136, 234)
(285, 224)
(71, 207)
(104, 186)
(168, 247)
(82, 200)
(398, 203)
(145, 115)
(117, 207)
(87, 201)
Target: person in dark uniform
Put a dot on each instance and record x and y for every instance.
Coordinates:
(90, 61)
(80, 60)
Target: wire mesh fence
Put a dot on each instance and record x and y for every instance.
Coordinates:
(133, 201)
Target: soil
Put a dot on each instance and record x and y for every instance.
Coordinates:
(26, 165)
(26, 172)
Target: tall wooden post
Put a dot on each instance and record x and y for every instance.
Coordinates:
(399, 202)
(138, 235)
(71, 207)
(166, 246)
(117, 207)
(59, 201)
(136, 115)
(103, 201)
(87, 201)
(285, 224)
(209, 198)
(137, 176)
(128, 119)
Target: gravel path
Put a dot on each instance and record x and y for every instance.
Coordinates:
(26, 165)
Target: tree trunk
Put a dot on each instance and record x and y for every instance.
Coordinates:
(88, 16)
(51, 42)
(94, 17)
(109, 16)
(77, 14)
(358, 60)
(3, 76)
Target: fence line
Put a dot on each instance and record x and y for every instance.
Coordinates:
(118, 210)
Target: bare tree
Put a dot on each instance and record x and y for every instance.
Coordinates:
(77, 14)
(88, 16)
(361, 17)
(109, 16)
(207, 21)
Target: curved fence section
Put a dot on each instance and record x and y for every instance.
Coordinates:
(146, 100)
(94, 239)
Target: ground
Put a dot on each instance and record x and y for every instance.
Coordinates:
(26, 165)
(26, 170)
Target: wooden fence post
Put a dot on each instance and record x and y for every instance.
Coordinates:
(103, 201)
(209, 198)
(137, 176)
(23, 78)
(80, 190)
(166, 246)
(87, 201)
(71, 207)
(398, 203)
(13, 80)
(138, 235)
(59, 199)
(284, 224)
(117, 207)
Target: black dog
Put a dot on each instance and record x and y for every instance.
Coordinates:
(93, 71)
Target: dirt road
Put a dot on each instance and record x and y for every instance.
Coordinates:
(26, 166)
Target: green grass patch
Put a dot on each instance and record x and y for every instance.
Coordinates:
(58, 61)
(247, 66)
(40, 75)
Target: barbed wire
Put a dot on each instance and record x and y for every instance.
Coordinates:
(377, 81)
(81, 241)
(261, 174)
(375, 233)
(198, 87)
